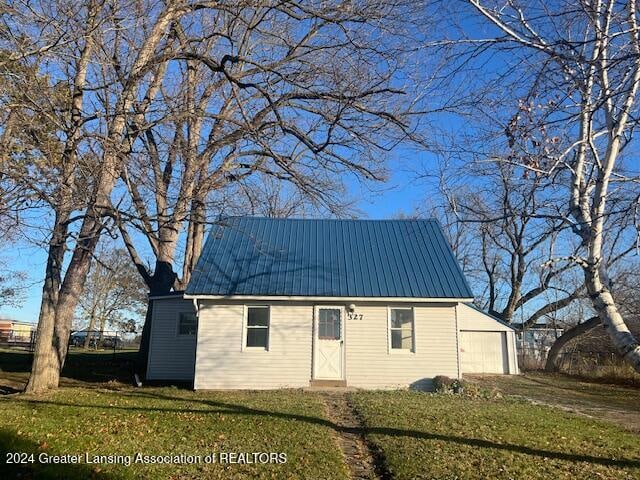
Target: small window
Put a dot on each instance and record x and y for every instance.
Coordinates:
(257, 327)
(187, 324)
(401, 329)
(329, 324)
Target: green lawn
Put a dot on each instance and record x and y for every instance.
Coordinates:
(617, 403)
(417, 435)
(162, 421)
(448, 437)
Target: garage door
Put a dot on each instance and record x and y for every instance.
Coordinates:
(484, 352)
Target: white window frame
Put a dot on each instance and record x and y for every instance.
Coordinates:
(245, 328)
(185, 335)
(401, 351)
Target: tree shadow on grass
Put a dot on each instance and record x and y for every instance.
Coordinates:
(215, 406)
(10, 442)
(548, 382)
(582, 384)
(89, 367)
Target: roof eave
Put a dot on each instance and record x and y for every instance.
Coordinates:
(321, 298)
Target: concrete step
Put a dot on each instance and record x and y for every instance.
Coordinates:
(327, 383)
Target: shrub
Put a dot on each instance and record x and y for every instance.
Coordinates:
(444, 384)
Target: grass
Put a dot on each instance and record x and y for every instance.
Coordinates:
(450, 437)
(611, 372)
(619, 404)
(97, 412)
(617, 374)
(170, 421)
(417, 435)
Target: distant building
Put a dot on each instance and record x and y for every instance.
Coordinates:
(538, 339)
(15, 331)
(5, 329)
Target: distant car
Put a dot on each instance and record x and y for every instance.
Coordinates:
(111, 342)
(77, 339)
(108, 341)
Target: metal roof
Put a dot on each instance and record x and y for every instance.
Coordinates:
(326, 257)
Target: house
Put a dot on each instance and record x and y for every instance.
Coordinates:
(536, 341)
(288, 303)
(5, 329)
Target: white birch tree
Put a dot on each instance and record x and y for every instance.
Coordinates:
(585, 59)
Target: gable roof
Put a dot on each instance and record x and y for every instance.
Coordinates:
(252, 256)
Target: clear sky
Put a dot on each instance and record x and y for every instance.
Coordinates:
(402, 193)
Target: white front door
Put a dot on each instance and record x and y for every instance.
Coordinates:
(329, 343)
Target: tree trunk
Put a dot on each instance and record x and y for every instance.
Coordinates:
(552, 357)
(195, 238)
(604, 305)
(45, 369)
(74, 280)
(103, 321)
(92, 324)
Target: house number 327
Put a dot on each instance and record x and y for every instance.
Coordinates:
(354, 316)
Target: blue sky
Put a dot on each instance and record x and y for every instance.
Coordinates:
(402, 193)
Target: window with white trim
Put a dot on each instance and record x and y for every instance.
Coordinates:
(329, 324)
(187, 324)
(257, 327)
(401, 326)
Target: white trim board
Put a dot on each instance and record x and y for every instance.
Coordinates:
(302, 298)
(245, 328)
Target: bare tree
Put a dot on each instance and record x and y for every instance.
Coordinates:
(11, 286)
(575, 69)
(96, 54)
(114, 292)
(277, 96)
(501, 233)
(176, 101)
(51, 177)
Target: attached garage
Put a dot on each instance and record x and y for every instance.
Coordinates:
(487, 345)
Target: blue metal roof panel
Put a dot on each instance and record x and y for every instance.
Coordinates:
(333, 258)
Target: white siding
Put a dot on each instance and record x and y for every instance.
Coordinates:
(222, 364)
(171, 356)
(369, 364)
(471, 319)
(513, 353)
